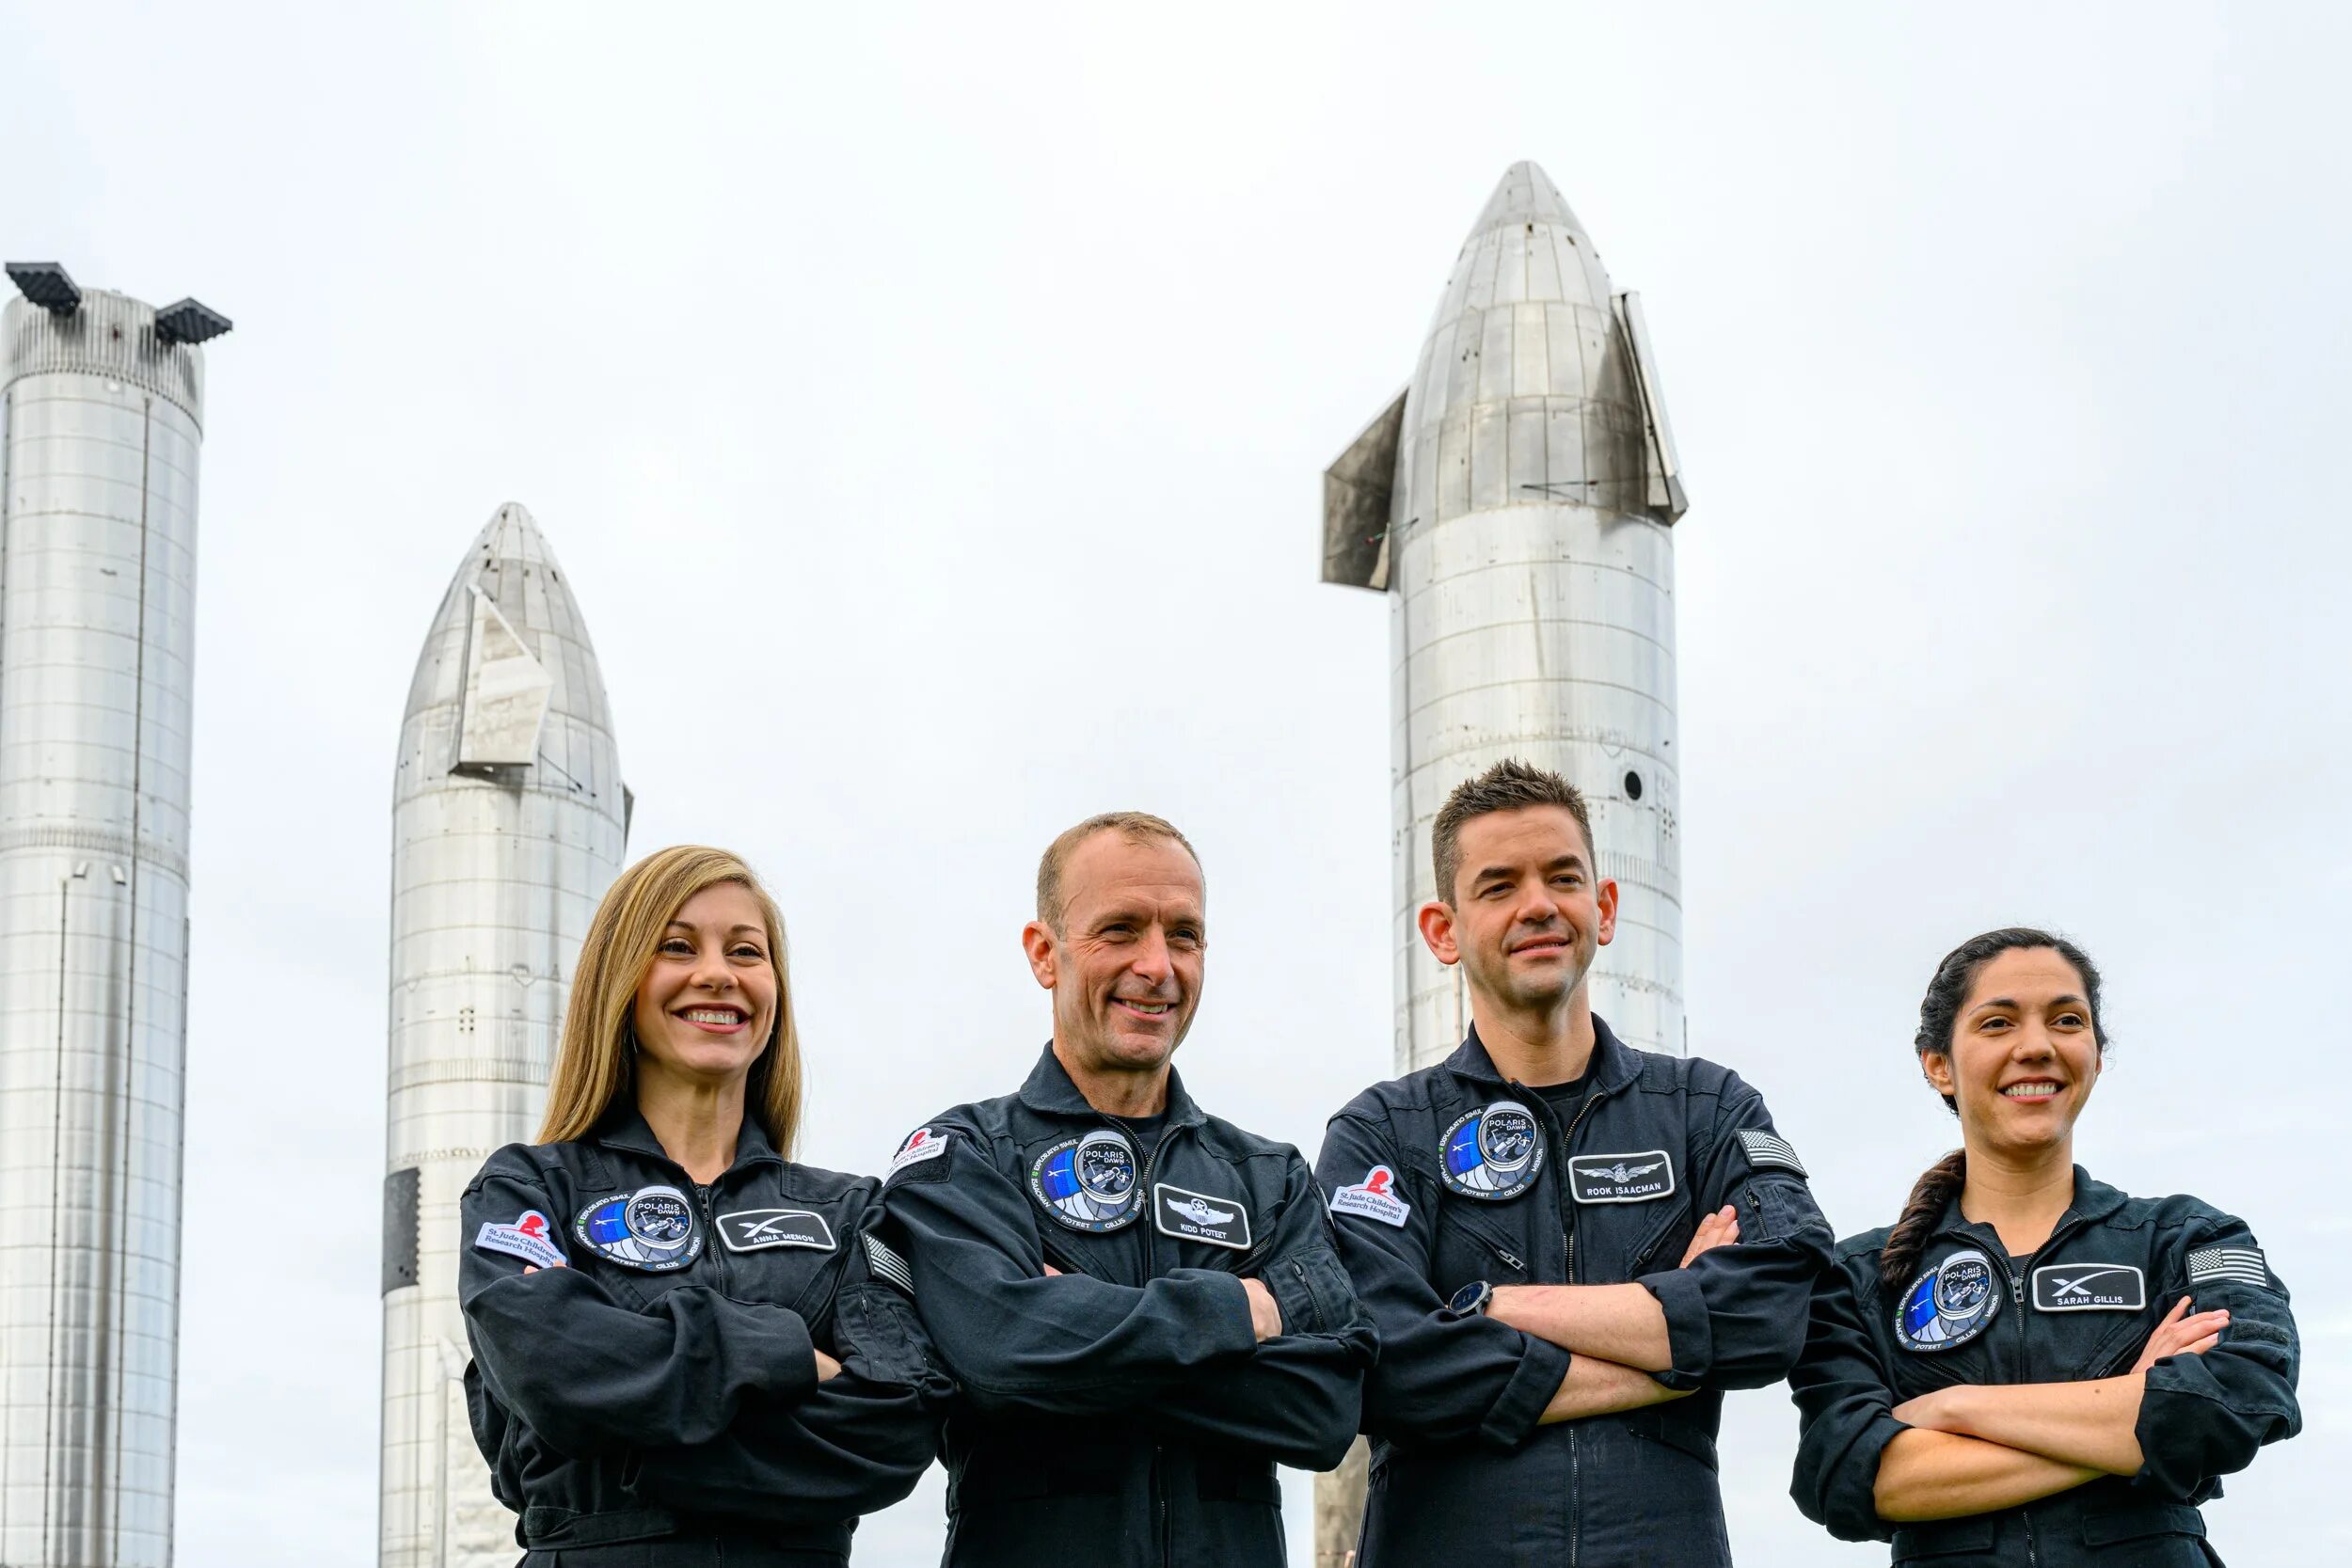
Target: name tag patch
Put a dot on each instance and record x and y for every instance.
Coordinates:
(1621, 1177)
(526, 1239)
(1372, 1199)
(2088, 1288)
(755, 1229)
(652, 1228)
(1199, 1217)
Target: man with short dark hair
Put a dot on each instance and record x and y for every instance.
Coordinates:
(1571, 1247)
(1141, 1301)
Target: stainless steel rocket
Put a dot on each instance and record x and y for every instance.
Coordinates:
(1517, 501)
(102, 412)
(509, 821)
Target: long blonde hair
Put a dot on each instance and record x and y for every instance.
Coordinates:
(596, 1062)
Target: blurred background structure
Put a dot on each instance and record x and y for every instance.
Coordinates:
(101, 418)
(509, 821)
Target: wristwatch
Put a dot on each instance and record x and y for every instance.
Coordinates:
(1472, 1300)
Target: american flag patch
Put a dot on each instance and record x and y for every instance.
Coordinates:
(1766, 1148)
(2242, 1264)
(888, 1266)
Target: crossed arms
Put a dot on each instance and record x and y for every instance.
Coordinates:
(1272, 1364)
(1616, 1334)
(1976, 1447)
(1730, 1316)
(2207, 1389)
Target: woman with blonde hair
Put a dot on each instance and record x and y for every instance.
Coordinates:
(687, 1347)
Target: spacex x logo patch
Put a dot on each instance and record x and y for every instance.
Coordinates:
(752, 1229)
(2088, 1288)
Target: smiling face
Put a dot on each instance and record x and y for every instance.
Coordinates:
(1526, 915)
(706, 1008)
(2024, 1056)
(1125, 960)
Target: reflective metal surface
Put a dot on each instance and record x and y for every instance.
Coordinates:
(509, 820)
(1517, 504)
(1524, 530)
(100, 426)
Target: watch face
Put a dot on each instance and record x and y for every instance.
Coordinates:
(1468, 1299)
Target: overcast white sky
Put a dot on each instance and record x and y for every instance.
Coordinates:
(928, 403)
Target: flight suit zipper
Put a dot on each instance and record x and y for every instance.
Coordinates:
(1567, 1177)
(2025, 1365)
(715, 1246)
(2068, 1222)
(2025, 1339)
(1163, 1530)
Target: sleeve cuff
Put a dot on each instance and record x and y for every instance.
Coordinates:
(1690, 1332)
(1852, 1510)
(2174, 1416)
(787, 1355)
(1524, 1398)
(1234, 1332)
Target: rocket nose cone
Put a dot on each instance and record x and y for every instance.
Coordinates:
(1525, 194)
(514, 567)
(512, 532)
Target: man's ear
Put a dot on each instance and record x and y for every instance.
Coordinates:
(1437, 929)
(1037, 940)
(1606, 897)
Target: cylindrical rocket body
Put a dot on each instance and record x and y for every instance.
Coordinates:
(496, 867)
(1533, 612)
(100, 426)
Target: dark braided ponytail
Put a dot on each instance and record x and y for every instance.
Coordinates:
(1939, 1010)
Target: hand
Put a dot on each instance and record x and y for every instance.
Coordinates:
(1930, 1412)
(2182, 1336)
(1051, 1273)
(1265, 1313)
(534, 1268)
(827, 1368)
(1719, 1229)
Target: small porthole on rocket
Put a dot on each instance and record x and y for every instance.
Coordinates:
(1633, 786)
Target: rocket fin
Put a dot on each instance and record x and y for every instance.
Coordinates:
(1664, 499)
(1356, 494)
(507, 692)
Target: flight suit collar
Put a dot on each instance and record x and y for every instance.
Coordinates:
(1050, 1092)
(2094, 1200)
(623, 1127)
(1612, 1067)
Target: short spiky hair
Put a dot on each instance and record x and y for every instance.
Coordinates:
(1508, 786)
(1137, 826)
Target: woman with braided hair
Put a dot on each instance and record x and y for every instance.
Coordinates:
(2031, 1367)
